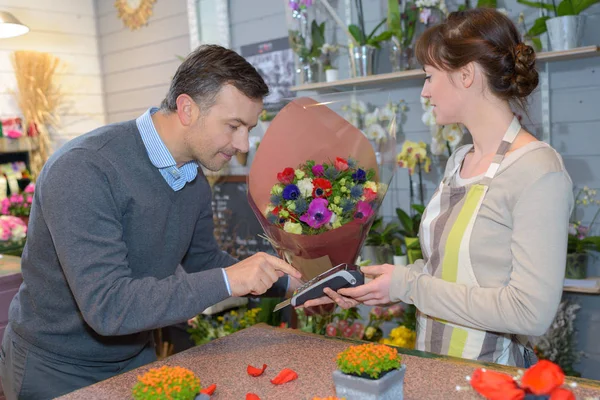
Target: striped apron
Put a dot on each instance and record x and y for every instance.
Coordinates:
(446, 229)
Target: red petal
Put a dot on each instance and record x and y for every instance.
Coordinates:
(252, 396)
(496, 386)
(562, 394)
(253, 371)
(286, 375)
(543, 378)
(209, 390)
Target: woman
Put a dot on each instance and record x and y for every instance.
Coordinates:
(494, 235)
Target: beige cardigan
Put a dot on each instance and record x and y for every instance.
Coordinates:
(518, 250)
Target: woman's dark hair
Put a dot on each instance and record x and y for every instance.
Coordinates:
(488, 38)
(204, 72)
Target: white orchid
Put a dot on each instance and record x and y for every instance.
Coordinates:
(452, 134)
(375, 132)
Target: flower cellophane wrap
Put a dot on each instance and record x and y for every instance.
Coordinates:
(309, 130)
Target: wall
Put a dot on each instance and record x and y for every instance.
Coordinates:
(66, 29)
(137, 66)
(574, 99)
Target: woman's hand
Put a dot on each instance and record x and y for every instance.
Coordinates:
(375, 292)
(332, 297)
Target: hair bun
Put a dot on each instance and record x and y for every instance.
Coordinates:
(525, 78)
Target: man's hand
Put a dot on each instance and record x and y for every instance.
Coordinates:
(256, 274)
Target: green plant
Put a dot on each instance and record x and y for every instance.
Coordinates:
(204, 328)
(167, 383)
(298, 42)
(360, 35)
(480, 4)
(579, 239)
(402, 25)
(368, 360)
(410, 224)
(564, 8)
(380, 235)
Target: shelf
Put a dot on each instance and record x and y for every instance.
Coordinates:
(380, 79)
(585, 289)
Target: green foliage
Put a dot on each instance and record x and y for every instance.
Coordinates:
(298, 42)
(410, 225)
(204, 328)
(402, 26)
(380, 235)
(564, 8)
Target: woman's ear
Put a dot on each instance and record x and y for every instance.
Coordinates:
(467, 75)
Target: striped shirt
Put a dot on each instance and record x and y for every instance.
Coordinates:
(162, 159)
(160, 156)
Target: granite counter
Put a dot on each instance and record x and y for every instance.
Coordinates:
(224, 362)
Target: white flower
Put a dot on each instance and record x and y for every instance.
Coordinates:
(372, 118)
(306, 187)
(502, 11)
(438, 147)
(358, 106)
(375, 132)
(452, 134)
(426, 103)
(387, 114)
(428, 118)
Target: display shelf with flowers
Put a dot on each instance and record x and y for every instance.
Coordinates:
(19, 204)
(402, 23)
(558, 344)
(444, 138)
(13, 232)
(204, 328)
(369, 371)
(167, 382)
(544, 380)
(580, 241)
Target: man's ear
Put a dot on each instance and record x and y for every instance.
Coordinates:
(467, 75)
(186, 109)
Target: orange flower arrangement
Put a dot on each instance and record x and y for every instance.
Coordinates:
(368, 360)
(167, 383)
(543, 379)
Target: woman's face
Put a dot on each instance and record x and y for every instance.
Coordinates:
(442, 89)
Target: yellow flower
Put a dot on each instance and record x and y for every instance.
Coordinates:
(291, 205)
(337, 199)
(292, 227)
(299, 174)
(277, 189)
(371, 185)
(413, 154)
(284, 213)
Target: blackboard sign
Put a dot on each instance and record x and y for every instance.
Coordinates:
(236, 226)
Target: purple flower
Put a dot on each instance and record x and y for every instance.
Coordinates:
(317, 214)
(291, 192)
(360, 175)
(294, 5)
(318, 170)
(363, 211)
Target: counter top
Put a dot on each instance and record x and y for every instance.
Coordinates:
(224, 361)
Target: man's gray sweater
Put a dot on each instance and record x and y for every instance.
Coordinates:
(107, 239)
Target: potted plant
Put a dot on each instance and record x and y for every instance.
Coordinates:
(166, 381)
(402, 25)
(398, 247)
(580, 242)
(378, 246)
(565, 27)
(306, 41)
(363, 45)
(369, 371)
(410, 231)
(329, 52)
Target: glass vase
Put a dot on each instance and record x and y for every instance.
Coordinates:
(576, 267)
(401, 58)
(308, 70)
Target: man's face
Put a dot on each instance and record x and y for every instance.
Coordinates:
(222, 131)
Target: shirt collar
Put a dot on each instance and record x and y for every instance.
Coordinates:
(159, 155)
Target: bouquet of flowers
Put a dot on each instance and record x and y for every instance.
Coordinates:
(316, 184)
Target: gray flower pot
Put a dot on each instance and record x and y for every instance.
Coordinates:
(389, 387)
(565, 32)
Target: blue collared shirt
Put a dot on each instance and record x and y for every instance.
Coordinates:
(161, 158)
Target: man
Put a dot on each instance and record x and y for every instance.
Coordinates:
(121, 234)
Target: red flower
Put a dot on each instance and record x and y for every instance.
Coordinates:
(286, 375)
(496, 386)
(330, 330)
(341, 164)
(562, 394)
(286, 176)
(542, 378)
(252, 396)
(321, 187)
(369, 194)
(253, 371)
(209, 390)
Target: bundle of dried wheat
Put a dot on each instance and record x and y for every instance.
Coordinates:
(39, 97)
